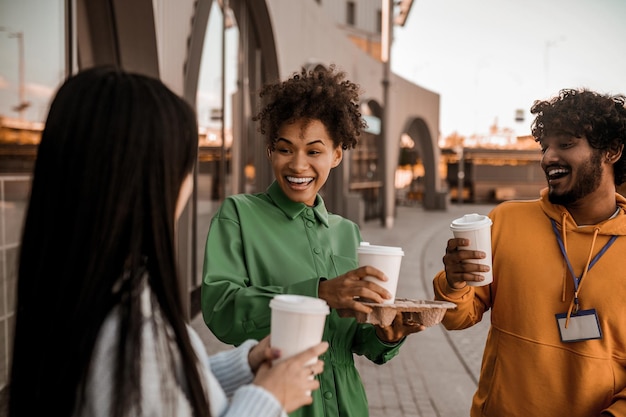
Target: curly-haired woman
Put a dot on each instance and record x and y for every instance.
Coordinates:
(284, 241)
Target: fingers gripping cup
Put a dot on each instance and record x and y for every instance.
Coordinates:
(476, 228)
(297, 324)
(385, 258)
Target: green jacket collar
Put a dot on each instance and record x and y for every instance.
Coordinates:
(293, 209)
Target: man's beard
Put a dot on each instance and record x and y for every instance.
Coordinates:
(588, 174)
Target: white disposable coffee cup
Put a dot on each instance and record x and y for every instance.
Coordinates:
(476, 228)
(385, 258)
(297, 324)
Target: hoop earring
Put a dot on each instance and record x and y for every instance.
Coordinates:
(269, 153)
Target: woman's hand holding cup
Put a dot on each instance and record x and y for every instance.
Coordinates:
(292, 380)
(345, 291)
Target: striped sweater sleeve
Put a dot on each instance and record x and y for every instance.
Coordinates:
(252, 400)
(231, 367)
(232, 371)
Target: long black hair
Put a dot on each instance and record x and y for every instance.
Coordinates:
(114, 151)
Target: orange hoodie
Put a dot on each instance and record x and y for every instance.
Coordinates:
(527, 370)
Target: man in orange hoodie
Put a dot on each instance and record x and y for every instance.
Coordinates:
(557, 342)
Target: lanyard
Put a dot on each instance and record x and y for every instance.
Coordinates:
(569, 265)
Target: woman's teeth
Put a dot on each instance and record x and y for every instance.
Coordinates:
(299, 180)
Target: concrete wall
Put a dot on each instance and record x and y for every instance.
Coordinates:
(304, 34)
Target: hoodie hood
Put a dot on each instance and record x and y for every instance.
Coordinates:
(613, 226)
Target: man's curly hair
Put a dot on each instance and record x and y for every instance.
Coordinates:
(322, 94)
(583, 113)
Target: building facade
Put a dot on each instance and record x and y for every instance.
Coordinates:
(251, 43)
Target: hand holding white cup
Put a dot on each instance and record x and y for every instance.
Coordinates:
(385, 258)
(477, 229)
(297, 323)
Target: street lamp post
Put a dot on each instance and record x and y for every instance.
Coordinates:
(546, 59)
(386, 29)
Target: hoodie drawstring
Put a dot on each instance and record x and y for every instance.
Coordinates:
(561, 238)
(573, 305)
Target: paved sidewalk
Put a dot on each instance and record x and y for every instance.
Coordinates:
(436, 372)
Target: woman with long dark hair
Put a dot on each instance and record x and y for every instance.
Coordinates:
(99, 326)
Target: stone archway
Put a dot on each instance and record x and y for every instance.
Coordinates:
(426, 147)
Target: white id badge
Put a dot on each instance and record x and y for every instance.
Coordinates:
(583, 325)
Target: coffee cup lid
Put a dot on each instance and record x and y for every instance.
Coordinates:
(366, 247)
(470, 221)
(299, 304)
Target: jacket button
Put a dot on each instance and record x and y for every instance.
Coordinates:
(328, 395)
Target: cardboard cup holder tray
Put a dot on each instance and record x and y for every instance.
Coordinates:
(425, 312)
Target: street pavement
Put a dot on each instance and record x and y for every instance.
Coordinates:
(436, 372)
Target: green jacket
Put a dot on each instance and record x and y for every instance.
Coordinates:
(265, 244)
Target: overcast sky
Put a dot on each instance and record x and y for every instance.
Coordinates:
(487, 58)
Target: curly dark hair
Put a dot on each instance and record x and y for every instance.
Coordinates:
(322, 94)
(600, 118)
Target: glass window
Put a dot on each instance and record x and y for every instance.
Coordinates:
(32, 63)
(214, 105)
(218, 69)
(32, 66)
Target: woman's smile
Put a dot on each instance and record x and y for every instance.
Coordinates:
(302, 159)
